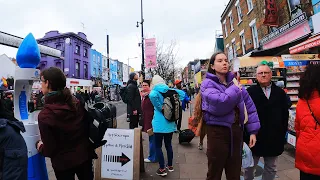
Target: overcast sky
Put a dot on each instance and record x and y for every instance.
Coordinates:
(192, 24)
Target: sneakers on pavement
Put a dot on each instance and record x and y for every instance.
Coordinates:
(200, 146)
(162, 172)
(170, 168)
(146, 160)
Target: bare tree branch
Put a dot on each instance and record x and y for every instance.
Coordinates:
(166, 61)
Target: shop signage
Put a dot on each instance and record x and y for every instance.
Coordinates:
(300, 57)
(285, 28)
(74, 82)
(14, 41)
(293, 34)
(312, 42)
(271, 15)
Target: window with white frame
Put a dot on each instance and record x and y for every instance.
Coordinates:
(230, 51)
(239, 12)
(250, 5)
(225, 28)
(234, 48)
(254, 32)
(231, 21)
(243, 42)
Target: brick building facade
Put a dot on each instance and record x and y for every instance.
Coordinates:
(242, 24)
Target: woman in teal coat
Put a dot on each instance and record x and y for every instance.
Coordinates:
(162, 128)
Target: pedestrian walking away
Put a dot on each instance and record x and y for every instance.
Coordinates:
(272, 106)
(185, 101)
(133, 101)
(162, 128)
(64, 132)
(307, 125)
(224, 106)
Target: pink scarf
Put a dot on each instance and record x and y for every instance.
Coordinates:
(144, 93)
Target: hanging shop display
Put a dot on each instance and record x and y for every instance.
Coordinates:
(295, 65)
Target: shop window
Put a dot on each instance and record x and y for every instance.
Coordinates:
(230, 53)
(85, 69)
(234, 47)
(95, 72)
(255, 38)
(250, 5)
(58, 64)
(77, 69)
(231, 22)
(239, 12)
(85, 53)
(42, 66)
(243, 43)
(225, 28)
(77, 50)
(58, 46)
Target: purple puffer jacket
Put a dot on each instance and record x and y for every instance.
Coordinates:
(219, 102)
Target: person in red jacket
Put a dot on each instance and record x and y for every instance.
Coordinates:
(64, 132)
(307, 125)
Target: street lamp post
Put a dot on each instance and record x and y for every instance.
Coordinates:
(142, 40)
(128, 63)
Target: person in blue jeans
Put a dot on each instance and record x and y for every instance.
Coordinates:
(162, 128)
(147, 115)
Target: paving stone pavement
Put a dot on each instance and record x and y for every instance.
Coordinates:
(191, 164)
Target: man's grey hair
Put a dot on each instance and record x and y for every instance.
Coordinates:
(262, 65)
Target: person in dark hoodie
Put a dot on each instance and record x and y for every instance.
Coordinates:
(63, 130)
(13, 149)
(134, 101)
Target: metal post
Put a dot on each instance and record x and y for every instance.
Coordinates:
(142, 42)
(108, 59)
(128, 67)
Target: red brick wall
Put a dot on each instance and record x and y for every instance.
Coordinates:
(258, 14)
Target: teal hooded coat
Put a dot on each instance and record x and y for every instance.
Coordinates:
(159, 123)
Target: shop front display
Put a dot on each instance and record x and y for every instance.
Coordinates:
(73, 83)
(248, 67)
(295, 65)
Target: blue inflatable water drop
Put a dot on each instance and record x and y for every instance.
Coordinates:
(28, 55)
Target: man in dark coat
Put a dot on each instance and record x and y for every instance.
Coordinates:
(134, 101)
(13, 149)
(272, 106)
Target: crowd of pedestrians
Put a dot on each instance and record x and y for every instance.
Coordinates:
(226, 113)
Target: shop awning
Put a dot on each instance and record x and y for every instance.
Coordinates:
(278, 51)
(313, 41)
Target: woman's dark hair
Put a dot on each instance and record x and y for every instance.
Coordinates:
(147, 81)
(212, 59)
(309, 81)
(57, 82)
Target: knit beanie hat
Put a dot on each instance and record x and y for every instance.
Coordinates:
(157, 80)
(131, 75)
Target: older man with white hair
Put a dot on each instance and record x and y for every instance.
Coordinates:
(272, 106)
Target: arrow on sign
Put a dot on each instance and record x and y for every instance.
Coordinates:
(123, 159)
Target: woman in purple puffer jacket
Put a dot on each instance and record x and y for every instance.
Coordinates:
(223, 106)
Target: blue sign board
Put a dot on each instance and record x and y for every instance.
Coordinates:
(113, 72)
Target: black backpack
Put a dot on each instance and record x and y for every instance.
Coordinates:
(123, 94)
(171, 105)
(100, 117)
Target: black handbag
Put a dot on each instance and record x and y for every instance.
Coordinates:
(314, 117)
